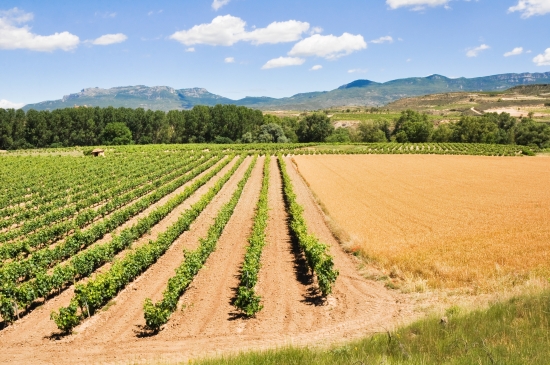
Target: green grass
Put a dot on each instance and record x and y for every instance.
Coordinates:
(512, 332)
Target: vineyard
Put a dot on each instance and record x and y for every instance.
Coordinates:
(155, 249)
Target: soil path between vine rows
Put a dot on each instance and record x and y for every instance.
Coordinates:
(206, 323)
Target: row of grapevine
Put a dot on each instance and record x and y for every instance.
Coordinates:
(86, 262)
(247, 300)
(319, 261)
(156, 315)
(95, 293)
(134, 184)
(54, 178)
(41, 260)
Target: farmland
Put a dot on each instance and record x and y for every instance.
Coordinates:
(455, 221)
(171, 252)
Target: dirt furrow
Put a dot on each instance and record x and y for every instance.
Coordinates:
(123, 320)
(208, 324)
(36, 326)
(206, 305)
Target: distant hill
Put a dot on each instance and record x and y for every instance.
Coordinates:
(356, 93)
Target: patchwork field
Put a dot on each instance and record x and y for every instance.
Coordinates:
(455, 221)
(168, 253)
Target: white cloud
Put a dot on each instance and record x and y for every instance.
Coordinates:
(528, 8)
(108, 39)
(328, 46)
(358, 71)
(316, 30)
(227, 30)
(190, 49)
(154, 12)
(283, 62)
(316, 68)
(543, 59)
(5, 104)
(216, 4)
(388, 39)
(516, 51)
(475, 51)
(14, 37)
(229, 60)
(277, 32)
(415, 4)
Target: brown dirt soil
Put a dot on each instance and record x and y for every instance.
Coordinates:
(457, 221)
(206, 323)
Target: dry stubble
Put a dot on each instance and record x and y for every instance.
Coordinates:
(457, 221)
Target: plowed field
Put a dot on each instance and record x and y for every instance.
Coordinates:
(455, 221)
(205, 322)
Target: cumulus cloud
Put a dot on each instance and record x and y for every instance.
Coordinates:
(528, 8)
(190, 49)
(543, 59)
(227, 30)
(108, 39)
(5, 104)
(385, 39)
(316, 68)
(515, 52)
(357, 70)
(328, 46)
(216, 4)
(415, 4)
(229, 60)
(283, 62)
(15, 35)
(316, 30)
(474, 52)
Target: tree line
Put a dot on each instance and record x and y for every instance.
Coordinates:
(411, 126)
(104, 126)
(229, 123)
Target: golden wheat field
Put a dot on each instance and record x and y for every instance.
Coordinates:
(455, 221)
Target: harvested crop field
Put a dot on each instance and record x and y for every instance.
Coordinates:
(455, 221)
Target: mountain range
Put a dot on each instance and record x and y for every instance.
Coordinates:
(356, 93)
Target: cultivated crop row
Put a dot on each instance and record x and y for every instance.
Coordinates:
(319, 261)
(247, 300)
(157, 314)
(14, 296)
(97, 292)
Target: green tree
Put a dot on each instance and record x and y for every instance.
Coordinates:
(340, 135)
(314, 128)
(270, 133)
(413, 127)
(116, 134)
(372, 132)
(530, 132)
(443, 133)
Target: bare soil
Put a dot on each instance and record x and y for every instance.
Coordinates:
(206, 323)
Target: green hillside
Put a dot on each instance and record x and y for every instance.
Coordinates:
(356, 93)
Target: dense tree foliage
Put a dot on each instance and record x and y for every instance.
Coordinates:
(229, 123)
(490, 128)
(314, 128)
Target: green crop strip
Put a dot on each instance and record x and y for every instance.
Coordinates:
(319, 261)
(83, 264)
(247, 300)
(43, 259)
(97, 292)
(156, 315)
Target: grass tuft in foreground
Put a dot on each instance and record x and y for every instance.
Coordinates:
(512, 332)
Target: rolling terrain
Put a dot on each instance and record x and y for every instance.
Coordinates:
(356, 93)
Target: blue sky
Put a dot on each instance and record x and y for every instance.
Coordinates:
(239, 48)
